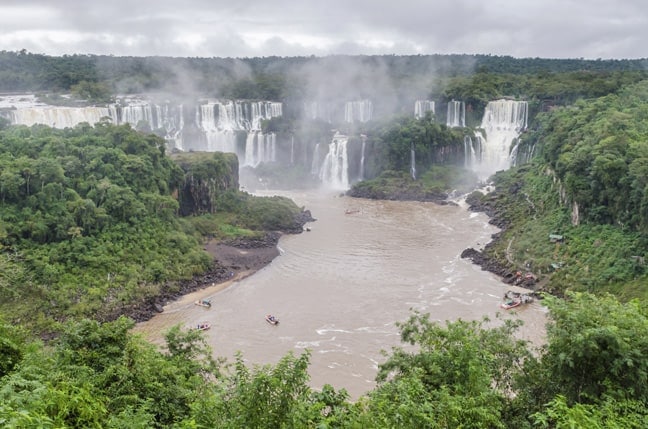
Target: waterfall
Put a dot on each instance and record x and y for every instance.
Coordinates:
(358, 111)
(260, 148)
(315, 164)
(271, 147)
(250, 144)
(220, 120)
(523, 155)
(362, 156)
(255, 112)
(413, 163)
(217, 120)
(59, 117)
(503, 122)
(470, 154)
(232, 115)
(456, 114)
(292, 150)
(134, 113)
(319, 110)
(334, 172)
(421, 107)
(174, 131)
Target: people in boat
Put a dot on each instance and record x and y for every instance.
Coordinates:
(206, 302)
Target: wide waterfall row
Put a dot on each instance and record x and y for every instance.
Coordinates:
(235, 126)
(59, 117)
(217, 120)
(222, 115)
(421, 107)
(503, 121)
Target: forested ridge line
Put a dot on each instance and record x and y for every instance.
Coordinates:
(280, 78)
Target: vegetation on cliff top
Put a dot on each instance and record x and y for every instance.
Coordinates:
(589, 185)
(89, 219)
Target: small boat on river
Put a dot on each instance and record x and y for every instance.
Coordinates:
(507, 304)
(271, 319)
(516, 296)
(202, 326)
(203, 303)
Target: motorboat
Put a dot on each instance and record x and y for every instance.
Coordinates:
(203, 326)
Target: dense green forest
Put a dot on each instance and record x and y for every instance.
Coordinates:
(89, 221)
(472, 78)
(95, 218)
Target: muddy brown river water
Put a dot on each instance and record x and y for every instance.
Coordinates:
(339, 288)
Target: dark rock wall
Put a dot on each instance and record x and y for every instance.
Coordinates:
(207, 175)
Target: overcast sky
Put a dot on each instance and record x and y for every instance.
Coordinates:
(588, 29)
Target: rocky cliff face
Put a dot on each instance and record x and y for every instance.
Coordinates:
(207, 175)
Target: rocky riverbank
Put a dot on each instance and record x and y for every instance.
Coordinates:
(504, 268)
(232, 260)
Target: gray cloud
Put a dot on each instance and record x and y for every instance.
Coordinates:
(216, 28)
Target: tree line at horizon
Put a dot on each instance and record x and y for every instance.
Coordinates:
(472, 78)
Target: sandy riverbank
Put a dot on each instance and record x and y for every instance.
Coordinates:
(233, 261)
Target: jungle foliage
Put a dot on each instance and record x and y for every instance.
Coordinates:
(472, 374)
(591, 257)
(90, 224)
(437, 167)
(588, 184)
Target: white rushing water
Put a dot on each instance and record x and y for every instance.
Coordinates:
(421, 107)
(503, 121)
(456, 116)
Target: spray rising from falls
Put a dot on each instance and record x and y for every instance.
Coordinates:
(502, 123)
(358, 111)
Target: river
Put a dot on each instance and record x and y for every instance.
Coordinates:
(340, 288)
